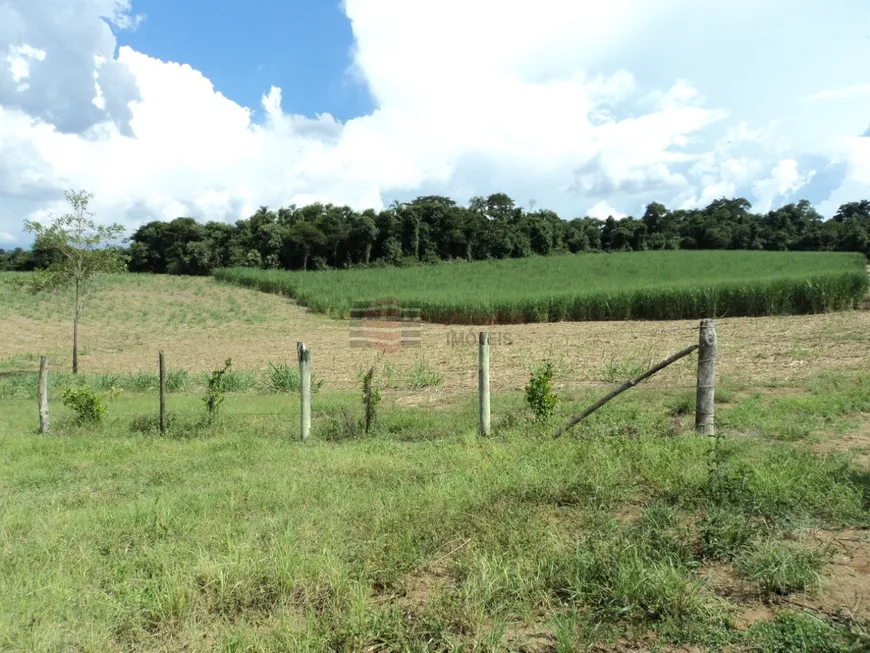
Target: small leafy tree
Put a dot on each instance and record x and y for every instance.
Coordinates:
(539, 392)
(214, 393)
(81, 250)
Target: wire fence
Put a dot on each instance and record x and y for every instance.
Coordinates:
(589, 366)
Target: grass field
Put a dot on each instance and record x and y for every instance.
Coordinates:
(622, 536)
(667, 285)
(423, 537)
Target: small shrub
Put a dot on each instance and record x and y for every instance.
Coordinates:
(89, 407)
(281, 378)
(141, 382)
(539, 393)
(371, 398)
(177, 380)
(285, 378)
(214, 394)
(238, 381)
(783, 567)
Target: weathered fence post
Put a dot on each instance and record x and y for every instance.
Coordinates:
(304, 355)
(483, 381)
(42, 395)
(162, 367)
(708, 349)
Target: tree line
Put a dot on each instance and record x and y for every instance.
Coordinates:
(435, 228)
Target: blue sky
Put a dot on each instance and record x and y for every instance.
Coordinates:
(210, 110)
(304, 45)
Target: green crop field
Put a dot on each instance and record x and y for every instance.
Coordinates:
(641, 285)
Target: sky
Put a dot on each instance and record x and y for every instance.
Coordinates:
(163, 108)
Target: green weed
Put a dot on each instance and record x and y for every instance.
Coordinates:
(281, 378)
(782, 567)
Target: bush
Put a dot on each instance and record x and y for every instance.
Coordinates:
(214, 394)
(88, 405)
(539, 393)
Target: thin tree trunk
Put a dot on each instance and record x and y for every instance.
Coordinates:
(75, 361)
(77, 307)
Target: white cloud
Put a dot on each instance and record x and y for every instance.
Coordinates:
(784, 179)
(602, 210)
(6, 237)
(546, 104)
(847, 93)
(19, 60)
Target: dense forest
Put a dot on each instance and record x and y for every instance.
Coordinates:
(434, 228)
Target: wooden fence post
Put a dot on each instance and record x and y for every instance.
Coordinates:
(304, 355)
(483, 381)
(708, 349)
(162, 367)
(42, 395)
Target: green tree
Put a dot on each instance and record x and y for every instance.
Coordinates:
(84, 252)
(306, 236)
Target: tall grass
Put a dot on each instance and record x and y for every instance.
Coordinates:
(641, 285)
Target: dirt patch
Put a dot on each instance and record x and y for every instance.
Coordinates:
(844, 592)
(419, 587)
(846, 588)
(628, 513)
(753, 614)
(528, 638)
(721, 580)
(624, 646)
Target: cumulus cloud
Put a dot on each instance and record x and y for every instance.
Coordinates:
(784, 179)
(55, 50)
(602, 210)
(537, 104)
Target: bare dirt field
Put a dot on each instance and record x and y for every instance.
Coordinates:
(199, 323)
